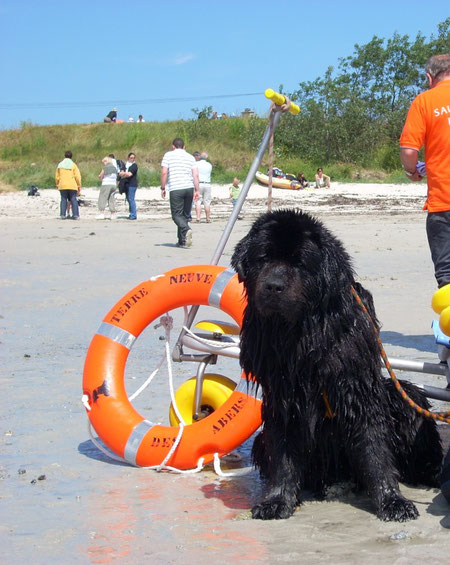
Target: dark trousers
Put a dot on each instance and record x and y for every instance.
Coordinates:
(70, 195)
(180, 208)
(438, 233)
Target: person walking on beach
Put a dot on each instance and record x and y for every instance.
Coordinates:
(428, 124)
(130, 174)
(322, 180)
(204, 180)
(179, 174)
(68, 182)
(108, 176)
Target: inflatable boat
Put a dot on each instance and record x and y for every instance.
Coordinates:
(277, 182)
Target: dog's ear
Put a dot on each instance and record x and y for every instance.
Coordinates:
(239, 259)
(239, 268)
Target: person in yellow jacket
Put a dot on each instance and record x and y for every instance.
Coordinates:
(68, 182)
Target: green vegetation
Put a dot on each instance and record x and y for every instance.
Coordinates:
(356, 114)
(349, 124)
(29, 155)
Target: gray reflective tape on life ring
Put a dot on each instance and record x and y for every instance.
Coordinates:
(250, 388)
(135, 440)
(215, 294)
(116, 334)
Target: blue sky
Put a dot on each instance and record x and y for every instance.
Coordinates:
(71, 62)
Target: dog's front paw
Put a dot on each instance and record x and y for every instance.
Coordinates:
(398, 509)
(275, 508)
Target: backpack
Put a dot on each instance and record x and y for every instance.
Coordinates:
(120, 167)
(277, 173)
(33, 191)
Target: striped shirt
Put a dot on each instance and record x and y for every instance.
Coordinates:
(179, 165)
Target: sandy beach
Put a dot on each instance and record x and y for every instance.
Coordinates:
(346, 198)
(63, 501)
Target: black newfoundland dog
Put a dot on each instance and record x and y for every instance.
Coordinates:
(328, 413)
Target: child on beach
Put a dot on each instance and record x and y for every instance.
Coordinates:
(235, 189)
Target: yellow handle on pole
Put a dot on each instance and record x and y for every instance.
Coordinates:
(279, 99)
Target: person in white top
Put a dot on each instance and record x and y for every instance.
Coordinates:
(179, 174)
(204, 178)
(108, 176)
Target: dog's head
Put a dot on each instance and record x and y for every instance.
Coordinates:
(289, 260)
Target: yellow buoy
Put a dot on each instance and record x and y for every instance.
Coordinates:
(444, 321)
(441, 299)
(218, 327)
(216, 390)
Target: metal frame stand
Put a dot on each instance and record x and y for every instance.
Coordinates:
(275, 115)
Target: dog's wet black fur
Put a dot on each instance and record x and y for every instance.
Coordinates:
(309, 345)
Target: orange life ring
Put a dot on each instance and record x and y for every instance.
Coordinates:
(117, 423)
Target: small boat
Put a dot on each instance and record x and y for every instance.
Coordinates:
(278, 182)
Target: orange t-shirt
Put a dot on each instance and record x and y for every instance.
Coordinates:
(428, 122)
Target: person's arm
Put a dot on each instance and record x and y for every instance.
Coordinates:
(132, 170)
(101, 175)
(164, 174)
(412, 139)
(409, 158)
(57, 178)
(196, 186)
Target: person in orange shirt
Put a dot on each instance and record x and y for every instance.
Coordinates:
(428, 124)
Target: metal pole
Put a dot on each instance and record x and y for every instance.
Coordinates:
(273, 122)
(418, 366)
(275, 116)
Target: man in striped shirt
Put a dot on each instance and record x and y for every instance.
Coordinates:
(179, 174)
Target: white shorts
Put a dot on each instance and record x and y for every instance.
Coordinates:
(205, 194)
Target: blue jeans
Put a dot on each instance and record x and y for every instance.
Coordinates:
(72, 196)
(131, 201)
(180, 207)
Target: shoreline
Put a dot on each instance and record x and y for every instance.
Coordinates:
(352, 198)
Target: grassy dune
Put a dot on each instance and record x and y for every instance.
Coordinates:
(29, 155)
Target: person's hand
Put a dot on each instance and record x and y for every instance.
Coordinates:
(196, 195)
(287, 104)
(415, 177)
(163, 192)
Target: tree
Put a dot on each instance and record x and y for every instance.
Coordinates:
(349, 114)
(204, 114)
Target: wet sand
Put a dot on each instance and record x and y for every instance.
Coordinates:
(63, 501)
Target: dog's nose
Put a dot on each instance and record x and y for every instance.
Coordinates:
(274, 286)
